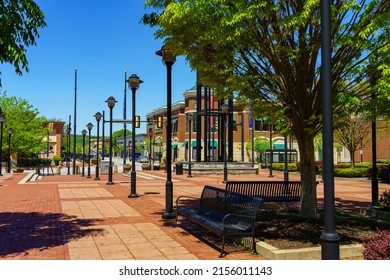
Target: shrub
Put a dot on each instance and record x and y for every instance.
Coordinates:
(377, 246)
(384, 200)
(57, 160)
(293, 167)
(29, 162)
(350, 172)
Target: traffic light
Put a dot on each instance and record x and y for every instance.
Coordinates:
(137, 121)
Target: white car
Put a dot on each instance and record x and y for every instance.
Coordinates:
(143, 159)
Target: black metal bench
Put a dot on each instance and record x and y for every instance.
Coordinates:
(269, 191)
(226, 214)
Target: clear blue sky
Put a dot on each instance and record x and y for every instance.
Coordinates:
(101, 39)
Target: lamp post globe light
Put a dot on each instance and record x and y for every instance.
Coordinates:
(1, 141)
(98, 117)
(9, 131)
(224, 111)
(168, 59)
(89, 126)
(84, 132)
(190, 119)
(111, 104)
(134, 82)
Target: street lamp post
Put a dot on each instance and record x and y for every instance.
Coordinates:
(330, 247)
(1, 141)
(84, 132)
(224, 111)
(98, 117)
(190, 119)
(68, 129)
(271, 153)
(150, 147)
(168, 59)
(10, 131)
(111, 104)
(89, 126)
(134, 82)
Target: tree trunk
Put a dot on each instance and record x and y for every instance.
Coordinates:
(308, 204)
(352, 153)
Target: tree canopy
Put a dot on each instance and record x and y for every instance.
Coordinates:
(28, 129)
(20, 21)
(268, 52)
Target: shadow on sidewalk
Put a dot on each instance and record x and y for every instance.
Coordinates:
(20, 232)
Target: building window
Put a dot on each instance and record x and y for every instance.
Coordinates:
(175, 126)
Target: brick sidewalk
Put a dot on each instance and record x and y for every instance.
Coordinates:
(71, 217)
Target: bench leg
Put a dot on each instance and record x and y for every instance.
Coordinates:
(221, 255)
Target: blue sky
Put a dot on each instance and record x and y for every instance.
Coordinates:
(101, 39)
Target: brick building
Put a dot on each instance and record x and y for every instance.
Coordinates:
(238, 130)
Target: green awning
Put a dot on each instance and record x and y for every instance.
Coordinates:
(174, 146)
(193, 144)
(174, 121)
(150, 126)
(234, 118)
(279, 146)
(185, 143)
(213, 144)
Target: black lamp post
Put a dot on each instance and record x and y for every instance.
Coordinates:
(111, 104)
(89, 126)
(224, 111)
(98, 117)
(134, 82)
(168, 59)
(68, 129)
(150, 147)
(1, 141)
(253, 142)
(10, 131)
(124, 124)
(330, 247)
(190, 119)
(84, 132)
(271, 153)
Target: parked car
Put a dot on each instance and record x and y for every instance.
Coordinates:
(143, 159)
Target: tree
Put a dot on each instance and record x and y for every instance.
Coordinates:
(19, 24)
(268, 52)
(351, 134)
(28, 129)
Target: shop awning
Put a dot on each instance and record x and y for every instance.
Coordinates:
(174, 121)
(279, 146)
(213, 144)
(193, 144)
(174, 146)
(185, 143)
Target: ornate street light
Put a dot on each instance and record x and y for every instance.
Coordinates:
(10, 131)
(1, 141)
(168, 59)
(68, 129)
(98, 117)
(224, 111)
(84, 132)
(89, 126)
(134, 82)
(111, 104)
(190, 119)
(150, 146)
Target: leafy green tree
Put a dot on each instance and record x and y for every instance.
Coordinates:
(20, 21)
(268, 52)
(352, 133)
(28, 129)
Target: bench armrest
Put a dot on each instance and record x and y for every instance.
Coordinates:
(237, 215)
